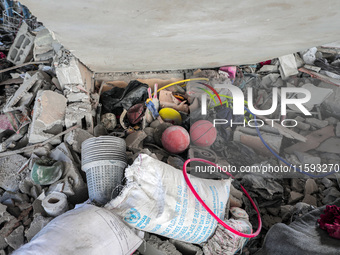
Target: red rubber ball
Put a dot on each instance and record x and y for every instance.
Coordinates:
(203, 133)
(175, 139)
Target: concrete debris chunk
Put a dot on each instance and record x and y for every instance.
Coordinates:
(331, 145)
(294, 197)
(311, 187)
(288, 66)
(76, 137)
(37, 224)
(67, 69)
(21, 49)
(79, 114)
(134, 140)
(16, 238)
(306, 158)
(44, 45)
(9, 177)
(76, 93)
(27, 91)
(311, 200)
(48, 116)
(337, 130)
(317, 123)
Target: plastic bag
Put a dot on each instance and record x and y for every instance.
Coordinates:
(156, 199)
(85, 230)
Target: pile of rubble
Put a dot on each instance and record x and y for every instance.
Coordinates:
(50, 105)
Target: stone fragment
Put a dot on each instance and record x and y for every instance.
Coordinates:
(134, 140)
(306, 158)
(9, 166)
(316, 122)
(79, 114)
(37, 224)
(331, 145)
(311, 187)
(313, 140)
(332, 120)
(273, 210)
(297, 185)
(294, 197)
(302, 126)
(327, 182)
(76, 137)
(48, 116)
(311, 200)
(331, 194)
(337, 130)
(16, 238)
(109, 121)
(27, 91)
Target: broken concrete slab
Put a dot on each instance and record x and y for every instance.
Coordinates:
(21, 49)
(27, 91)
(67, 69)
(313, 140)
(76, 93)
(331, 145)
(48, 116)
(44, 45)
(9, 167)
(288, 66)
(80, 114)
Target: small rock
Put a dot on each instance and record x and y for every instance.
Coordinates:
(337, 130)
(311, 187)
(331, 194)
(332, 121)
(294, 197)
(286, 211)
(316, 122)
(327, 182)
(306, 158)
(274, 210)
(16, 238)
(309, 199)
(297, 185)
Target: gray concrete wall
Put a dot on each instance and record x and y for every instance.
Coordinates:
(142, 35)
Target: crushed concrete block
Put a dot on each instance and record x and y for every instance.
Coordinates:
(76, 137)
(9, 177)
(37, 224)
(74, 93)
(16, 238)
(67, 70)
(331, 145)
(43, 45)
(337, 130)
(79, 114)
(316, 122)
(288, 66)
(48, 117)
(134, 140)
(311, 187)
(72, 182)
(313, 140)
(306, 158)
(26, 93)
(21, 49)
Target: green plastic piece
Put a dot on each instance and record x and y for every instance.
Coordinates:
(46, 171)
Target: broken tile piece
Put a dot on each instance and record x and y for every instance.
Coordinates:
(48, 116)
(313, 140)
